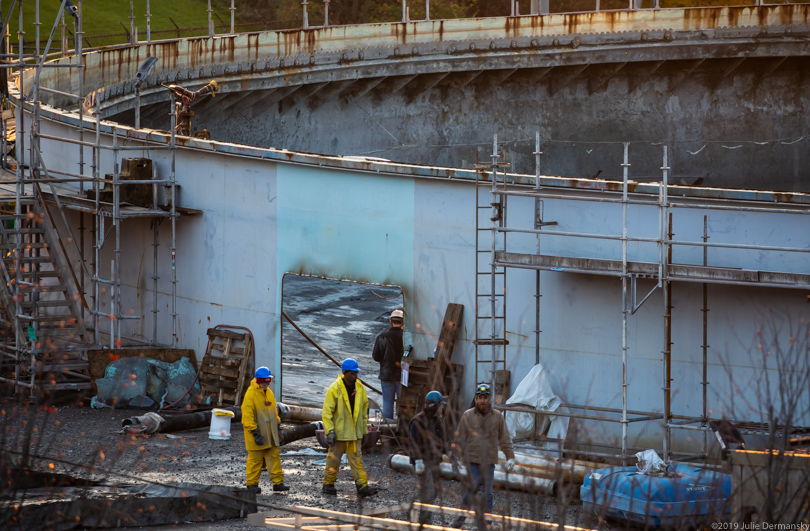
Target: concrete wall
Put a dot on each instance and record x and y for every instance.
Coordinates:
(723, 87)
(736, 130)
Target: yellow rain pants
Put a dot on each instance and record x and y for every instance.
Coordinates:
(254, 465)
(354, 455)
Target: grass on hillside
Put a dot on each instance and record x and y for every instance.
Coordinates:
(107, 22)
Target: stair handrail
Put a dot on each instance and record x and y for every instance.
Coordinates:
(50, 231)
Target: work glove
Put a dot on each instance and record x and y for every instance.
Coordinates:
(331, 438)
(510, 465)
(419, 467)
(257, 437)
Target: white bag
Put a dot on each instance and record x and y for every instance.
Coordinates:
(534, 391)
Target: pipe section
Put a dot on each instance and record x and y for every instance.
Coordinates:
(541, 465)
(307, 414)
(512, 481)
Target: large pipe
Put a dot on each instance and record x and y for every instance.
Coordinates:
(192, 421)
(199, 419)
(291, 412)
(402, 463)
(544, 466)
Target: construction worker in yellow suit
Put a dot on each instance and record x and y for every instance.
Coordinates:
(345, 421)
(260, 421)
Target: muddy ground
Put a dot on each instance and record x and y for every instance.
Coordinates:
(74, 439)
(344, 319)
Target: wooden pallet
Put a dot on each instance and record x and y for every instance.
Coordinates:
(224, 371)
(412, 398)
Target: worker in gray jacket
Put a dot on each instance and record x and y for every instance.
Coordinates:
(480, 433)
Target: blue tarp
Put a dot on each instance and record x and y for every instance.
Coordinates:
(146, 383)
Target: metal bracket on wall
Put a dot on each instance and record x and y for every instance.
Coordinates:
(634, 306)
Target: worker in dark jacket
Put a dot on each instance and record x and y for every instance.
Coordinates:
(479, 434)
(388, 350)
(260, 423)
(428, 443)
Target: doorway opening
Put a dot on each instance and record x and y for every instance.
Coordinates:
(341, 317)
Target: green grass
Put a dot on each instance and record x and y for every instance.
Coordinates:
(105, 17)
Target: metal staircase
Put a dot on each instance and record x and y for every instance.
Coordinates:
(46, 333)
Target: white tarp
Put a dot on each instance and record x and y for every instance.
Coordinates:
(534, 391)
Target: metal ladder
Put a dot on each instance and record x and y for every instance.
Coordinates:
(490, 280)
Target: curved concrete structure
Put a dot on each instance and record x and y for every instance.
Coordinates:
(723, 87)
(698, 75)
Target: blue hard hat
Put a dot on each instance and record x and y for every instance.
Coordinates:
(482, 389)
(350, 365)
(263, 373)
(434, 398)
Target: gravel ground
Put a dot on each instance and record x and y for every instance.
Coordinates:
(73, 438)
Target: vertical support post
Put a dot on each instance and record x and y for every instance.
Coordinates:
(98, 227)
(137, 107)
(544, 7)
(496, 216)
(306, 16)
(233, 17)
(19, 191)
(112, 304)
(131, 22)
(325, 13)
(155, 247)
(148, 22)
(538, 220)
(63, 27)
(404, 12)
(210, 20)
(597, 6)
(705, 345)
(667, 352)
(37, 24)
(115, 303)
(78, 30)
(427, 9)
(172, 177)
(625, 172)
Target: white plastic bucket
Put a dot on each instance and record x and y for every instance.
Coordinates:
(220, 424)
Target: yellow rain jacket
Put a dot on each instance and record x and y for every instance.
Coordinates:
(337, 413)
(259, 410)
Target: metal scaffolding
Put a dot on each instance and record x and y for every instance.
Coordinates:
(42, 342)
(663, 273)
